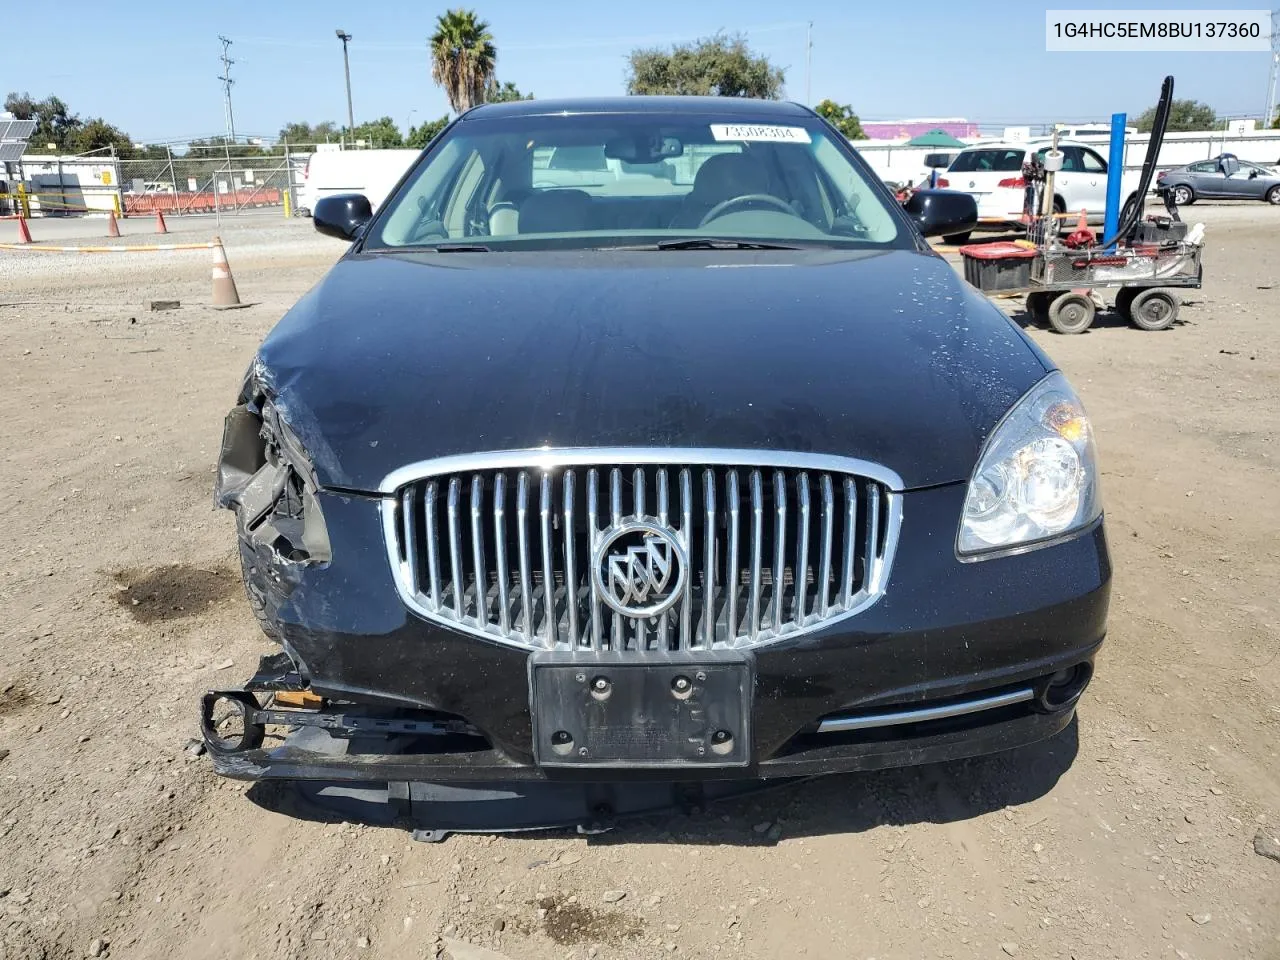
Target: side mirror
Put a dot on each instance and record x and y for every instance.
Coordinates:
(942, 211)
(1253, 174)
(343, 215)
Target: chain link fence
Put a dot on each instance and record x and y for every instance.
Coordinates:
(210, 180)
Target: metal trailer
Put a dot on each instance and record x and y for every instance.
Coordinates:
(1059, 280)
(1146, 260)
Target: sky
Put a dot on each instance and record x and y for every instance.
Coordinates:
(155, 76)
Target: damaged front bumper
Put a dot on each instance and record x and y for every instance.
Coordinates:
(360, 746)
(956, 660)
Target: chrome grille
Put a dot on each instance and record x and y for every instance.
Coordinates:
(769, 549)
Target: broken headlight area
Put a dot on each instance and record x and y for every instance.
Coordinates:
(266, 477)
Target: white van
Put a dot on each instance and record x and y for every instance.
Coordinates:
(371, 172)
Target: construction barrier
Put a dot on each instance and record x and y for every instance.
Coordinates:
(202, 202)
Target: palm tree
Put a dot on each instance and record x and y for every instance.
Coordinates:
(462, 58)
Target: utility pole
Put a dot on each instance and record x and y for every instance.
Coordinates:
(226, 87)
(1268, 115)
(808, 64)
(346, 66)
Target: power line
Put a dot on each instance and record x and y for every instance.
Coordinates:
(1269, 113)
(808, 65)
(579, 44)
(226, 87)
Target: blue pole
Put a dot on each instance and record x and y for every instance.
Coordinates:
(1115, 170)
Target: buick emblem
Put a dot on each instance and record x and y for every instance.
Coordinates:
(639, 568)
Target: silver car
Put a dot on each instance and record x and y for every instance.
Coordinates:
(1225, 177)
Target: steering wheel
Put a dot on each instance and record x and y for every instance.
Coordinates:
(720, 209)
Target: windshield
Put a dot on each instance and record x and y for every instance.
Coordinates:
(610, 180)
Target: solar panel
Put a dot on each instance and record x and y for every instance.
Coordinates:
(17, 129)
(12, 152)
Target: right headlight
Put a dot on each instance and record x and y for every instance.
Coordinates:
(1037, 477)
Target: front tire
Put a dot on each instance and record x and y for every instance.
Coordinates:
(957, 238)
(1273, 195)
(1154, 310)
(253, 592)
(1124, 301)
(1183, 195)
(1038, 304)
(1127, 210)
(1071, 313)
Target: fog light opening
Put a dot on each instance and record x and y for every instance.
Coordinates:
(1061, 689)
(227, 725)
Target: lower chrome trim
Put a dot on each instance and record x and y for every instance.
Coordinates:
(921, 714)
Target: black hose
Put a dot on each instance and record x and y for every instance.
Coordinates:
(1154, 144)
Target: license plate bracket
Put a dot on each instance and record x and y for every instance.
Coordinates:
(623, 711)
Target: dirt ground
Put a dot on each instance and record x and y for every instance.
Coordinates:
(1132, 835)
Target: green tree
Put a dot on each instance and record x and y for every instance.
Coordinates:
(224, 146)
(720, 66)
(301, 132)
(420, 136)
(463, 58)
(55, 123)
(150, 151)
(97, 134)
(1183, 115)
(381, 133)
(504, 93)
(842, 118)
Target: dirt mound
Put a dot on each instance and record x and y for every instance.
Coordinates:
(172, 592)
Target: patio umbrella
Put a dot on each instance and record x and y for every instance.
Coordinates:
(936, 138)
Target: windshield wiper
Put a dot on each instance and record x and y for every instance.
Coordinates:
(721, 243)
(432, 248)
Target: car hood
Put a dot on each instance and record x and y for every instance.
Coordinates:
(884, 356)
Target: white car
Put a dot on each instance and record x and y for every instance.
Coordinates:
(991, 173)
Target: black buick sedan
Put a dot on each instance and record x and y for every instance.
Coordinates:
(647, 439)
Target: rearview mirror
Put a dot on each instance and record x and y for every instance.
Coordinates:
(643, 149)
(942, 211)
(343, 215)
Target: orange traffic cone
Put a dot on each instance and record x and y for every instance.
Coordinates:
(113, 228)
(24, 232)
(160, 227)
(225, 295)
